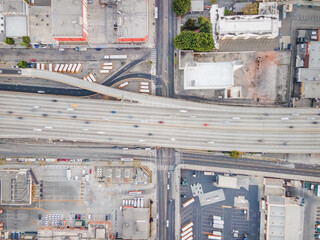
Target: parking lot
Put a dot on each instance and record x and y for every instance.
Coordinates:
(237, 221)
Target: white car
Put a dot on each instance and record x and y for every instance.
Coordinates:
(168, 186)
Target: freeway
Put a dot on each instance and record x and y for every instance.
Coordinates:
(215, 128)
(256, 165)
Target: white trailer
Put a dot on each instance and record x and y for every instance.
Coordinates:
(208, 173)
(214, 237)
(65, 68)
(92, 77)
(123, 85)
(69, 174)
(69, 68)
(186, 232)
(74, 68)
(50, 67)
(56, 68)
(61, 68)
(78, 68)
(187, 236)
(89, 79)
(144, 87)
(135, 202)
(187, 203)
(144, 83)
(117, 57)
(190, 224)
(142, 201)
(43, 66)
(107, 67)
(220, 226)
(144, 90)
(38, 66)
(107, 64)
(217, 233)
(138, 202)
(104, 71)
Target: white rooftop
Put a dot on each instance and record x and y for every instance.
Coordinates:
(216, 75)
(67, 19)
(314, 58)
(16, 26)
(197, 5)
(227, 182)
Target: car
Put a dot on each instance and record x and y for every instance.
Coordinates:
(314, 122)
(33, 60)
(115, 147)
(98, 49)
(167, 223)
(291, 126)
(106, 217)
(183, 111)
(149, 134)
(136, 126)
(161, 122)
(15, 66)
(168, 186)
(205, 124)
(310, 6)
(194, 174)
(79, 216)
(76, 216)
(90, 171)
(119, 49)
(113, 111)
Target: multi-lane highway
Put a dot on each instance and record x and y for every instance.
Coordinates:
(219, 128)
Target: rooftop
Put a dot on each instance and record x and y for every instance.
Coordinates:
(227, 182)
(133, 20)
(13, 7)
(314, 55)
(67, 19)
(16, 25)
(40, 24)
(135, 223)
(283, 219)
(197, 5)
(215, 75)
(211, 197)
(15, 187)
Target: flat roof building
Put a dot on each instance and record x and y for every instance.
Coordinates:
(211, 75)
(132, 23)
(227, 182)
(135, 223)
(309, 76)
(265, 24)
(197, 5)
(69, 20)
(283, 219)
(13, 7)
(16, 187)
(16, 25)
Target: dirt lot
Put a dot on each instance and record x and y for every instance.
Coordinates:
(267, 83)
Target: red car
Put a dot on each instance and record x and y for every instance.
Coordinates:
(33, 60)
(90, 171)
(206, 124)
(161, 122)
(79, 216)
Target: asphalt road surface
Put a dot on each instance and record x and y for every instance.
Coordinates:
(221, 128)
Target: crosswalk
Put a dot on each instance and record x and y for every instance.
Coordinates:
(153, 56)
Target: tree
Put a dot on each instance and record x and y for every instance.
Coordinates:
(181, 7)
(213, 1)
(235, 154)
(199, 42)
(227, 12)
(25, 41)
(205, 25)
(251, 9)
(22, 64)
(9, 41)
(190, 24)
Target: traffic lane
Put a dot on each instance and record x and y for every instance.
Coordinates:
(274, 169)
(51, 54)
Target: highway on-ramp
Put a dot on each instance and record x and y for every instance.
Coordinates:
(219, 128)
